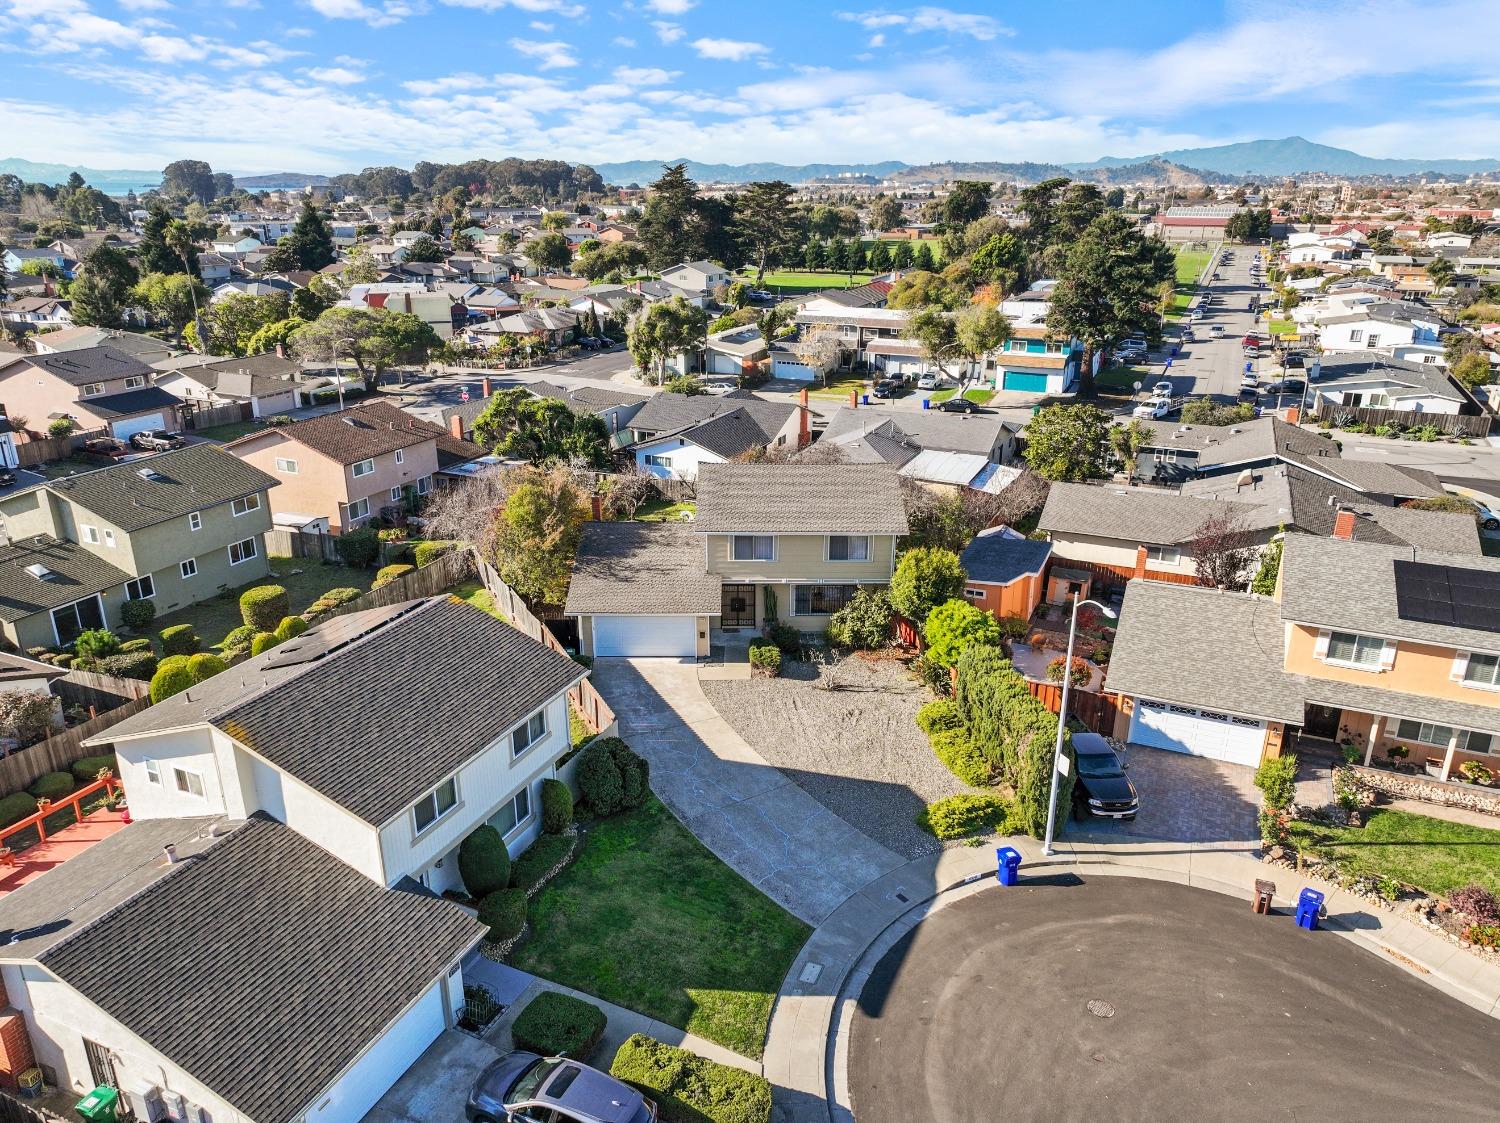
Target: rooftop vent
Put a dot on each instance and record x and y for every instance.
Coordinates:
(40, 571)
(149, 474)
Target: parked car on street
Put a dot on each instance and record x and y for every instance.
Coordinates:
(887, 388)
(928, 382)
(1163, 389)
(1153, 409)
(156, 440)
(1294, 361)
(1216, 330)
(959, 405)
(526, 1086)
(1287, 386)
(1102, 789)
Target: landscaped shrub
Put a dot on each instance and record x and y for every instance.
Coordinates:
(939, 715)
(1082, 672)
(788, 640)
(964, 815)
(204, 666)
(865, 622)
(483, 862)
(425, 553)
(388, 573)
(557, 806)
(141, 644)
(172, 677)
(689, 1088)
(331, 600)
(611, 777)
(96, 643)
(543, 856)
(1476, 902)
(765, 658)
(358, 549)
(504, 912)
(138, 614)
(290, 626)
(15, 807)
(960, 757)
(52, 785)
(27, 715)
(954, 626)
(263, 606)
(130, 664)
(1277, 780)
(1475, 773)
(925, 578)
(263, 641)
(559, 1025)
(179, 639)
(1483, 935)
(86, 771)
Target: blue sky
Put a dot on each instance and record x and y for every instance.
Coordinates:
(334, 85)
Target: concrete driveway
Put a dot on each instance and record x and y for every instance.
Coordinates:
(435, 1088)
(1184, 799)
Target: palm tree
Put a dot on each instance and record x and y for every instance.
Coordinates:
(1127, 442)
(179, 237)
(1441, 270)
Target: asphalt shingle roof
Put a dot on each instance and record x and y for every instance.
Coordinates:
(1426, 377)
(360, 432)
(145, 492)
(75, 574)
(131, 402)
(90, 364)
(1157, 518)
(926, 429)
(638, 567)
(263, 965)
(998, 559)
(800, 499)
(672, 413)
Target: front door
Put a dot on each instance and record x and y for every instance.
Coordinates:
(1321, 722)
(738, 608)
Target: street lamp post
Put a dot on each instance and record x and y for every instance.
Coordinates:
(338, 378)
(1062, 714)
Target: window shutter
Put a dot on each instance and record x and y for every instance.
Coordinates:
(1388, 655)
(1460, 666)
(1320, 649)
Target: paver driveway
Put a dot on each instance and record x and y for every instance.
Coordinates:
(1185, 799)
(780, 839)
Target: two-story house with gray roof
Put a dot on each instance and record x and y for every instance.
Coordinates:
(174, 528)
(97, 387)
(674, 435)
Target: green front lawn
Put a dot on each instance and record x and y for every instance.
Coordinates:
(839, 386)
(1190, 263)
(1123, 377)
(663, 510)
(794, 282)
(1283, 327)
(214, 618)
(979, 396)
(1433, 854)
(648, 918)
(231, 432)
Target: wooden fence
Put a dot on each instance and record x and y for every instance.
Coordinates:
(301, 544)
(58, 752)
(1097, 711)
(98, 693)
(1116, 576)
(1453, 424)
(41, 450)
(436, 577)
(589, 703)
(206, 417)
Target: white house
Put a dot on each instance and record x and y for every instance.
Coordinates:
(1382, 326)
(1378, 382)
(673, 435)
(236, 244)
(696, 280)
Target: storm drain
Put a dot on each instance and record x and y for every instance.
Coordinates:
(1101, 1009)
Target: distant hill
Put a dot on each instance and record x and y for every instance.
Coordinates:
(110, 182)
(280, 181)
(1293, 155)
(1149, 172)
(646, 171)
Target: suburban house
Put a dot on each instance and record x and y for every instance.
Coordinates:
(895, 436)
(734, 351)
(340, 469)
(1004, 572)
(98, 387)
(147, 349)
(696, 280)
(174, 528)
(1377, 382)
(264, 384)
(1368, 643)
(37, 313)
(1382, 326)
(14, 258)
(1033, 361)
(673, 435)
(770, 542)
(265, 801)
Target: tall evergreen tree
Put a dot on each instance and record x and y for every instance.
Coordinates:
(311, 239)
(152, 251)
(667, 228)
(922, 258)
(766, 222)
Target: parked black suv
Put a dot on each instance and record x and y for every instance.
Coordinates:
(1102, 789)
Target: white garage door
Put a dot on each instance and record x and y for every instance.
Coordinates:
(385, 1063)
(128, 428)
(645, 636)
(1181, 729)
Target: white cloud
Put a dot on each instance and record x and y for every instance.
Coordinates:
(666, 31)
(169, 48)
(567, 8)
(671, 7)
(877, 40)
(336, 75)
(388, 13)
(929, 18)
(730, 50)
(550, 56)
(144, 5)
(1450, 136)
(644, 75)
(623, 41)
(431, 87)
(541, 25)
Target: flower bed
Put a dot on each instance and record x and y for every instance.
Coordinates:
(1406, 785)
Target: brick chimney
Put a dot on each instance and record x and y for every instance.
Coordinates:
(1343, 524)
(456, 427)
(281, 350)
(1293, 415)
(804, 427)
(596, 503)
(487, 391)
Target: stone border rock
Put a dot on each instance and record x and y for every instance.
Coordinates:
(1408, 785)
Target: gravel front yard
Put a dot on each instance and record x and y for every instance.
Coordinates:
(856, 750)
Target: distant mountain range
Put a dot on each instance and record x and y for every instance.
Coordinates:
(1293, 155)
(280, 181)
(644, 171)
(110, 182)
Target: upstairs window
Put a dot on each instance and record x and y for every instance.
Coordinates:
(1483, 670)
(364, 468)
(245, 506)
(528, 734)
(435, 804)
(848, 547)
(1356, 650)
(754, 547)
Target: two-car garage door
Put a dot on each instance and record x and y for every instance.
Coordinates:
(130, 426)
(643, 637)
(1182, 729)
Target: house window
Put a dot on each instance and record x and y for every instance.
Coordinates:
(528, 733)
(135, 381)
(1167, 456)
(1429, 733)
(358, 509)
(142, 588)
(424, 485)
(1163, 555)
(1016, 345)
(188, 568)
(754, 547)
(72, 620)
(109, 539)
(1055, 348)
(395, 494)
(244, 506)
(822, 600)
(435, 804)
(653, 460)
(189, 782)
(153, 771)
(513, 814)
(286, 467)
(1357, 651)
(242, 551)
(400, 456)
(1357, 336)
(1374, 340)
(848, 547)
(1483, 670)
(195, 520)
(90, 389)
(364, 468)
(973, 593)
(91, 535)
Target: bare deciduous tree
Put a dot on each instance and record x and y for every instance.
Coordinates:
(818, 349)
(627, 490)
(1224, 550)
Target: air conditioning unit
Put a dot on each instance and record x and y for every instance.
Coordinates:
(198, 1114)
(146, 1102)
(176, 1106)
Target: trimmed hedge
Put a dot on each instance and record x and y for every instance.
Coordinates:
(765, 656)
(1277, 780)
(529, 870)
(612, 777)
(205, 665)
(388, 573)
(689, 1088)
(131, 664)
(263, 641)
(939, 715)
(358, 549)
(504, 912)
(425, 553)
(52, 785)
(263, 606)
(559, 1025)
(331, 600)
(483, 862)
(138, 614)
(87, 770)
(141, 644)
(960, 757)
(961, 816)
(15, 807)
(172, 677)
(557, 806)
(180, 639)
(290, 626)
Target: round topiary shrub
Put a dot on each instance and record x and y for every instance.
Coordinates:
(138, 614)
(86, 771)
(172, 677)
(52, 785)
(130, 664)
(263, 641)
(180, 639)
(291, 626)
(358, 549)
(237, 637)
(263, 606)
(141, 644)
(557, 806)
(15, 807)
(612, 777)
(342, 595)
(483, 862)
(504, 911)
(96, 643)
(204, 665)
(388, 573)
(559, 1025)
(425, 553)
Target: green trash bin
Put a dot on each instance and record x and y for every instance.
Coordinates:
(100, 1105)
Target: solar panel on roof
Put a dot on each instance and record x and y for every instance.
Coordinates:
(1442, 594)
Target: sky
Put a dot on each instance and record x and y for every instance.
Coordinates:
(327, 86)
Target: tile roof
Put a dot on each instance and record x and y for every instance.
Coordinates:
(639, 567)
(360, 432)
(185, 479)
(74, 574)
(994, 558)
(90, 364)
(800, 499)
(186, 964)
(1156, 518)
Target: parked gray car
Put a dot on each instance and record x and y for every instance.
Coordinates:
(525, 1088)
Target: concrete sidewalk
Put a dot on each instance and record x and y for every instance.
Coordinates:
(744, 809)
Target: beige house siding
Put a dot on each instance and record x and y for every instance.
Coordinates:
(1113, 551)
(36, 630)
(804, 558)
(35, 393)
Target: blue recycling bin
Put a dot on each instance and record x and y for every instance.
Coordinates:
(926, 403)
(1007, 864)
(1309, 904)
(864, 399)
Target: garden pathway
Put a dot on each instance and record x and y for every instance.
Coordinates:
(775, 835)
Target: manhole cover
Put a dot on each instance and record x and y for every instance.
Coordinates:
(1101, 1009)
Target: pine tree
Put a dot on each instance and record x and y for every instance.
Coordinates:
(922, 259)
(880, 258)
(311, 239)
(152, 251)
(901, 255)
